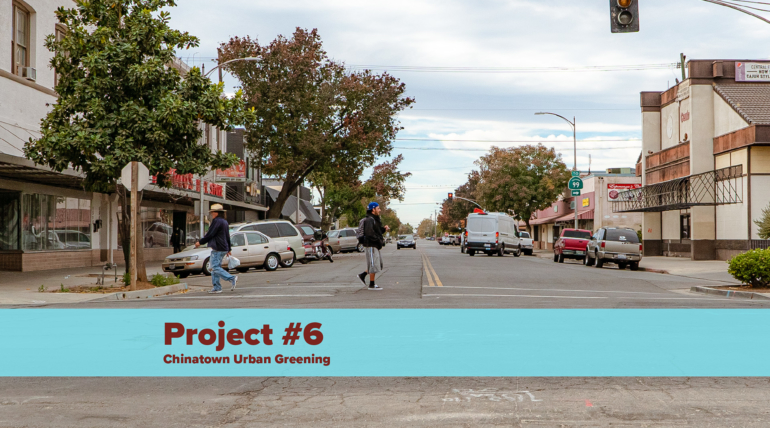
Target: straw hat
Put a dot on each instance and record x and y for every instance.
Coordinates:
(217, 207)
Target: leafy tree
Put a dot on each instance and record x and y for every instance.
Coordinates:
(454, 213)
(350, 198)
(121, 101)
(310, 114)
(764, 223)
(406, 229)
(426, 227)
(522, 179)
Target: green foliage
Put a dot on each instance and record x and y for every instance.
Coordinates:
(454, 212)
(160, 280)
(639, 234)
(522, 179)
(42, 288)
(121, 100)
(405, 229)
(62, 289)
(752, 268)
(310, 113)
(127, 278)
(764, 223)
(426, 228)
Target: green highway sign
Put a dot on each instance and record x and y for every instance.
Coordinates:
(576, 173)
(576, 193)
(575, 183)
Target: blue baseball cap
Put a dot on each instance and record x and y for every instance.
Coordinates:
(372, 205)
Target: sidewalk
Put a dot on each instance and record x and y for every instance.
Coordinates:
(711, 270)
(21, 288)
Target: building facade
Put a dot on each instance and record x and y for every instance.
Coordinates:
(594, 206)
(47, 219)
(706, 164)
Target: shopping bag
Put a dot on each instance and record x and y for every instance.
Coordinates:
(233, 262)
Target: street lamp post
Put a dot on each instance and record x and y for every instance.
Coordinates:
(574, 145)
(251, 58)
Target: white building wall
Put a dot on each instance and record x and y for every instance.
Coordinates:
(669, 125)
(670, 226)
(760, 199)
(726, 119)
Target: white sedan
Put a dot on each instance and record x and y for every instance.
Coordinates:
(253, 249)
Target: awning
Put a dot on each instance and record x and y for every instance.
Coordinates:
(544, 220)
(582, 215)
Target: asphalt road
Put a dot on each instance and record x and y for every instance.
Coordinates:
(432, 276)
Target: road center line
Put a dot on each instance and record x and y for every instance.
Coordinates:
(427, 271)
(552, 289)
(430, 269)
(512, 295)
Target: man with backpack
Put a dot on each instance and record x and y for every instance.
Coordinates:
(369, 233)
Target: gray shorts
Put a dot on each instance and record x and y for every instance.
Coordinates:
(373, 260)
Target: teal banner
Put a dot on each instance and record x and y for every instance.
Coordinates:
(384, 342)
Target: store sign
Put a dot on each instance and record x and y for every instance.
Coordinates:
(236, 173)
(187, 182)
(752, 71)
(586, 202)
(614, 189)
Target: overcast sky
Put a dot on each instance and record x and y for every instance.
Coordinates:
(483, 107)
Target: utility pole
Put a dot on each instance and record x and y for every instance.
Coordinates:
(574, 145)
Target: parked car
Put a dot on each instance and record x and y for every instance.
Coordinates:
(158, 234)
(446, 240)
(68, 239)
(571, 244)
(349, 241)
(334, 241)
(614, 245)
(277, 229)
(526, 243)
(406, 241)
(253, 249)
(457, 239)
(492, 233)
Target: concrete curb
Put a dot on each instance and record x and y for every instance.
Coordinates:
(146, 294)
(729, 293)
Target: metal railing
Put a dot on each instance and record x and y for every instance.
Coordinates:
(719, 187)
(233, 194)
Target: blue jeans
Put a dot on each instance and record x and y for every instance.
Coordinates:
(217, 271)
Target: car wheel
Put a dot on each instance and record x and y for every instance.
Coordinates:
(289, 263)
(561, 258)
(360, 248)
(150, 242)
(587, 260)
(207, 266)
(398, 247)
(598, 263)
(183, 275)
(634, 265)
(622, 266)
(501, 251)
(471, 253)
(242, 269)
(271, 262)
(489, 253)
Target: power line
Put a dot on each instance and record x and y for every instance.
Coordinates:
(589, 68)
(519, 141)
(486, 150)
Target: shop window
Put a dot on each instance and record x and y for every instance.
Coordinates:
(53, 223)
(20, 39)
(9, 220)
(684, 227)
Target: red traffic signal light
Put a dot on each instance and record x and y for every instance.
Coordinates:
(450, 196)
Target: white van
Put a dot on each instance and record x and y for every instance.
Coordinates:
(492, 233)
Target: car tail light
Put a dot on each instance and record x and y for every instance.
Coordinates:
(497, 237)
(602, 244)
(288, 248)
(640, 248)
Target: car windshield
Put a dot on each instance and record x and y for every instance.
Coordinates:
(405, 237)
(622, 235)
(307, 230)
(332, 233)
(580, 234)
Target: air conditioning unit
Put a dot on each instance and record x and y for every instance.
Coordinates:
(29, 73)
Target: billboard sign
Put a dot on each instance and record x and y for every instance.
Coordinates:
(236, 173)
(614, 189)
(752, 71)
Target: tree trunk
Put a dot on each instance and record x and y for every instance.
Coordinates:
(124, 233)
(287, 189)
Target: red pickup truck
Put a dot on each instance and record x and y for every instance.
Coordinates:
(571, 245)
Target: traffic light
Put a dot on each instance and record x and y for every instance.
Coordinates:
(450, 197)
(624, 16)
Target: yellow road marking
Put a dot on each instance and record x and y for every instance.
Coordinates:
(429, 269)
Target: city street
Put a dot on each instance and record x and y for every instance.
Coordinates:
(435, 276)
(432, 276)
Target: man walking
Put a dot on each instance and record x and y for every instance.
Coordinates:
(218, 238)
(373, 241)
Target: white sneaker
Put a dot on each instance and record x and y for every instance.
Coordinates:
(235, 281)
(212, 291)
(374, 287)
